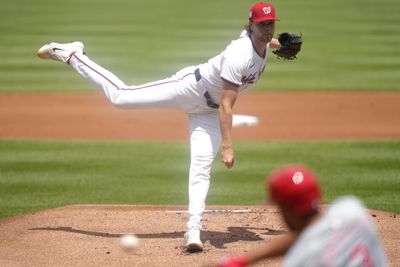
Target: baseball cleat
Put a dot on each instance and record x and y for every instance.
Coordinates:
(193, 242)
(60, 52)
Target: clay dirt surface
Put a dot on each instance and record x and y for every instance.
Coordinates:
(282, 116)
(88, 235)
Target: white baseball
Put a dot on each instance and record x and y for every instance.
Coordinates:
(129, 243)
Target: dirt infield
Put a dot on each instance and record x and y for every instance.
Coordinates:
(283, 116)
(87, 235)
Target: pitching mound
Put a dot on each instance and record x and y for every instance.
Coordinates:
(89, 235)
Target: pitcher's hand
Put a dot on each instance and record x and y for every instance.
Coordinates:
(228, 158)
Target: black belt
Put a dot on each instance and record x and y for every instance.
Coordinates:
(207, 96)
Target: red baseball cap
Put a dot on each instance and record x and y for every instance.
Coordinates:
(262, 11)
(296, 188)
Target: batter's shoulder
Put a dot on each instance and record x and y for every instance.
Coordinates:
(348, 207)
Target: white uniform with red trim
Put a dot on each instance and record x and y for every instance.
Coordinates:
(343, 237)
(194, 90)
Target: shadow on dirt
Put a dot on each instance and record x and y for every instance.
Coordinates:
(216, 239)
(234, 234)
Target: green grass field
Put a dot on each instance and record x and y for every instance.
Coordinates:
(36, 175)
(348, 45)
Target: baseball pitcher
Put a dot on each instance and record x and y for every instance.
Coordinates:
(206, 92)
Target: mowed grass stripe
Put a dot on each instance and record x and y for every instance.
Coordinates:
(36, 175)
(348, 45)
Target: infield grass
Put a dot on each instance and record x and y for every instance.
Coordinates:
(37, 175)
(348, 45)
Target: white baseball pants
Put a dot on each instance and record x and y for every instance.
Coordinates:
(179, 92)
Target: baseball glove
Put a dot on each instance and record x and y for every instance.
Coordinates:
(290, 45)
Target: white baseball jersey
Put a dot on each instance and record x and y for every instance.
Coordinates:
(343, 237)
(239, 64)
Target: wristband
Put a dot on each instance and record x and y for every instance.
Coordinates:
(234, 262)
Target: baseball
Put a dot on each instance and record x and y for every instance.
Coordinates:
(129, 243)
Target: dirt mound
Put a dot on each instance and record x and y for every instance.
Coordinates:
(88, 235)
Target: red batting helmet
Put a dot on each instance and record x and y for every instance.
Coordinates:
(296, 188)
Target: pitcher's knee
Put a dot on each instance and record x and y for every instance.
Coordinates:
(204, 160)
(117, 99)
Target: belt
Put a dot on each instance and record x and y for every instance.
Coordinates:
(207, 96)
